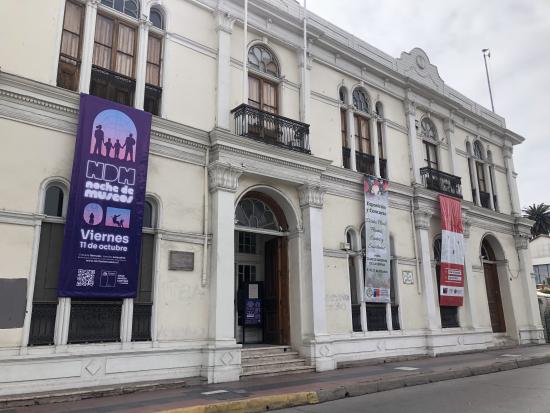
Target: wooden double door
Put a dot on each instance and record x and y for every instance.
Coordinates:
(494, 298)
(276, 309)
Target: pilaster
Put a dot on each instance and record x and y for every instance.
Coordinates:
(449, 128)
(351, 138)
(219, 364)
(88, 46)
(410, 112)
(224, 28)
(422, 223)
(141, 62)
(507, 152)
(469, 294)
(522, 229)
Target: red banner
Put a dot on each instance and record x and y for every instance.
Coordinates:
(451, 276)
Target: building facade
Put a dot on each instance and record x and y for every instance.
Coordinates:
(540, 257)
(256, 169)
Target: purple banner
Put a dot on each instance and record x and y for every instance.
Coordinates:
(101, 249)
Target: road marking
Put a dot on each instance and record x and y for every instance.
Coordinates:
(209, 393)
(510, 355)
(406, 368)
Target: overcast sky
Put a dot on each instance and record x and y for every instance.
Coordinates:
(453, 33)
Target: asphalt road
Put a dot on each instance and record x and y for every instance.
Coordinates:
(524, 390)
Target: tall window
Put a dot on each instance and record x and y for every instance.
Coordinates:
(449, 315)
(353, 281)
(153, 90)
(143, 303)
(363, 156)
(113, 71)
(482, 179)
(68, 70)
(262, 93)
(362, 136)
(346, 151)
(380, 112)
(428, 132)
(430, 151)
(44, 305)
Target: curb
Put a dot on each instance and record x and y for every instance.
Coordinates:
(253, 405)
(283, 401)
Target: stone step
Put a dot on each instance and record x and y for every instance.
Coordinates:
(277, 372)
(253, 351)
(247, 359)
(273, 365)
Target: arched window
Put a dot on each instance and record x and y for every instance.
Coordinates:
(48, 265)
(263, 60)
(342, 94)
(449, 315)
(487, 253)
(53, 201)
(478, 150)
(428, 130)
(360, 100)
(128, 7)
(254, 213)
(262, 91)
(156, 17)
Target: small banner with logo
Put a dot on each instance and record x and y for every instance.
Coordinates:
(451, 287)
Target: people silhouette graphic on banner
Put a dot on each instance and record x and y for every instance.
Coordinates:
(129, 146)
(108, 147)
(117, 147)
(99, 136)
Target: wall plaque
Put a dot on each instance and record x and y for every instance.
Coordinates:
(181, 261)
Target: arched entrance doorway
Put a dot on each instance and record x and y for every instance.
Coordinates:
(492, 285)
(261, 271)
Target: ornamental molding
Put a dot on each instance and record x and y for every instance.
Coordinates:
(422, 219)
(225, 21)
(311, 196)
(223, 177)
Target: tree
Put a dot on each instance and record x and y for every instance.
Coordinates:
(541, 215)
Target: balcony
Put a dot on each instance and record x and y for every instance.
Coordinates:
(112, 86)
(441, 182)
(271, 129)
(364, 163)
(485, 199)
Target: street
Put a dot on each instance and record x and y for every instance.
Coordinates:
(514, 391)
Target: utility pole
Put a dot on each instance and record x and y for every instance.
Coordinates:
(487, 54)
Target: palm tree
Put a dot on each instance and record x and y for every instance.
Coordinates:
(541, 215)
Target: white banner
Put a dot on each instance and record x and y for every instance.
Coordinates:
(377, 241)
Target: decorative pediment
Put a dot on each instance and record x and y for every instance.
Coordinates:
(417, 66)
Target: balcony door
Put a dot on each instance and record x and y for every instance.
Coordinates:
(363, 156)
(431, 156)
(262, 94)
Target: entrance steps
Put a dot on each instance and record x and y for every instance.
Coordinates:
(272, 361)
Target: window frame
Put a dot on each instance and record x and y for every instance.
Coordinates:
(358, 119)
(78, 60)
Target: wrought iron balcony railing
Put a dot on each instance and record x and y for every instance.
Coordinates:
(112, 86)
(271, 129)
(364, 163)
(441, 182)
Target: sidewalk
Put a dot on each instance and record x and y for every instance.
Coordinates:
(271, 393)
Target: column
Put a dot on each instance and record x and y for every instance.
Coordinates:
(511, 179)
(488, 182)
(222, 362)
(449, 128)
(410, 112)
(522, 236)
(351, 138)
(141, 62)
(313, 275)
(422, 222)
(223, 87)
(374, 142)
(469, 296)
(87, 46)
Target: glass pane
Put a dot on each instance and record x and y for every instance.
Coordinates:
(126, 39)
(156, 18)
(73, 17)
(53, 203)
(147, 215)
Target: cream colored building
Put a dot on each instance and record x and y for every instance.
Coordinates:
(252, 191)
